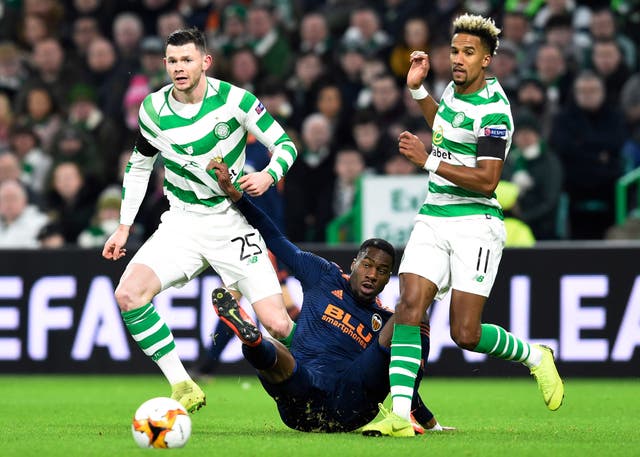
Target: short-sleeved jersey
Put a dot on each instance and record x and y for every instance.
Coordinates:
(334, 328)
(460, 121)
(218, 130)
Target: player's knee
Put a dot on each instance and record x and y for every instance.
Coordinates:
(408, 313)
(278, 329)
(465, 338)
(128, 297)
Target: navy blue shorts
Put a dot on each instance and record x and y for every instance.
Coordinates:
(307, 404)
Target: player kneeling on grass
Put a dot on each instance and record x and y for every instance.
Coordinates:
(336, 372)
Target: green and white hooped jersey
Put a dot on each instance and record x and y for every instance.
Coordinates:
(218, 130)
(460, 121)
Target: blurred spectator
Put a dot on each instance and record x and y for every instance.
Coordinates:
(40, 19)
(33, 28)
(168, 22)
(611, 67)
(73, 144)
(283, 13)
(150, 12)
(128, 31)
(9, 20)
(84, 30)
(386, 100)
(11, 169)
(516, 29)
(35, 163)
(372, 69)
(603, 27)
(42, 115)
(106, 134)
(519, 234)
(532, 98)
(152, 63)
(268, 43)
(107, 76)
(349, 166)
(504, 66)
(315, 37)
(19, 221)
(102, 10)
(397, 165)
(351, 60)
(231, 34)
(51, 10)
(559, 32)
(394, 14)
(580, 16)
(365, 32)
(308, 70)
(415, 37)
(134, 96)
(373, 142)
(342, 194)
(244, 69)
(588, 137)
(6, 120)
(12, 70)
(411, 119)
(49, 69)
(439, 75)
(537, 172)
(551, 70)
(311, 172)
(50, 236)
(70, 202)
(329, 103)
(630, 99)
(105, 220)
(275, 99)
(441, 14)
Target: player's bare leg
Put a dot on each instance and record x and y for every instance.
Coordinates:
(469, 333)
(137, 287)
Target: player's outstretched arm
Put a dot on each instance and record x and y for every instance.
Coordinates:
(282, 248)
(304, 265)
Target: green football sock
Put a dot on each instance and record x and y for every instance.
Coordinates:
(497, 342)
(406, 354)
(289, 338)
(149, 330)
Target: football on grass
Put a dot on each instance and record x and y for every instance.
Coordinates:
(161, 423)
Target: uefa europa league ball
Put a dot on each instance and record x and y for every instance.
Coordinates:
(161, 423)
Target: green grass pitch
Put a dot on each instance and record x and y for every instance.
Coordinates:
(91, 416)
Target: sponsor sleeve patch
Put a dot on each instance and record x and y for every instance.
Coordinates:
(495, 132)
(259, 108)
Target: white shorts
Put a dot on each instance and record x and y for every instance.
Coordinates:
(460, 254)
(186, 243)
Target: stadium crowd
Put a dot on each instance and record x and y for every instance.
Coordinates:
(73, 74)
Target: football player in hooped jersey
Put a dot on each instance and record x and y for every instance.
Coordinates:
(190, 122)
(335, 373)
(460, 226)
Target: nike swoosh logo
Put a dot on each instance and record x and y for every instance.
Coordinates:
(232, 313)
(398, 429)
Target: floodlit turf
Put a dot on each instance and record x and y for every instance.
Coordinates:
(90, 416)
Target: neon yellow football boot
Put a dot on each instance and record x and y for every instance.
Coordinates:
(548, 379)
(189, 395)
(390, 425)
